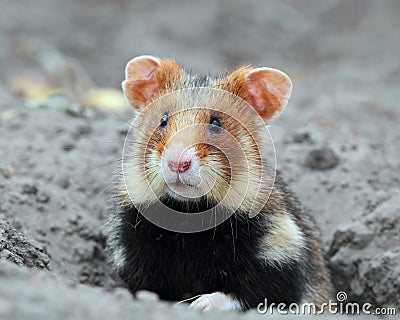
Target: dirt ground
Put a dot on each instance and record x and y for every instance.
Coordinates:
(337, 143)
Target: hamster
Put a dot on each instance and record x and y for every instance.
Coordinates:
(240, 260)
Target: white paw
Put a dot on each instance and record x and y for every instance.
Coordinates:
(215, 301)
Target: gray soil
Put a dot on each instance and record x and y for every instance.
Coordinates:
(337, 142)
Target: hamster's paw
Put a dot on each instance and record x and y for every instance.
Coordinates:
(215, 301)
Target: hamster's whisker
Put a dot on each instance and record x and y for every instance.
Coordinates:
(226, 181)
(105, 164)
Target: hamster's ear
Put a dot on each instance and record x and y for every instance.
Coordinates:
(145, 76)
(267, 90)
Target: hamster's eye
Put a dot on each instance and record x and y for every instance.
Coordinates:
(164, 120)
(215, 125)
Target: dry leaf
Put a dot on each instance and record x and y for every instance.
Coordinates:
(31, 87)
(107, 99)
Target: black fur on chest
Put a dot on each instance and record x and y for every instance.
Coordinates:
(182, 265)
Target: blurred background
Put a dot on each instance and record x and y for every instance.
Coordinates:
(337, 142)
(304, 37)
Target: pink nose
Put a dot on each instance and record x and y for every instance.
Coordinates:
(180, 166)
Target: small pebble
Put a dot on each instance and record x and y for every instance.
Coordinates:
(63, 181)
(42, 197)
(321, 159)
(145, 295)
(29, 188)
(82, 130)
(74, 110)
(7, 172)
(302, 138)
(68, 146)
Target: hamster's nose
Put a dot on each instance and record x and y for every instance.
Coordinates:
(179, 166)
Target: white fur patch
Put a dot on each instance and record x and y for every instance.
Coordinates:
(116, 253)
(216, 301)
(137, 183)
(119, 258)
(283, 243)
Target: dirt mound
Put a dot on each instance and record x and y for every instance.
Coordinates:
(365, 256)
(55, 190)
(16, 248)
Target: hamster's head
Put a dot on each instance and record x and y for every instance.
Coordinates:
(197, 139)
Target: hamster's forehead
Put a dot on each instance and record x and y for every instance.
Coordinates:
(197, 105)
